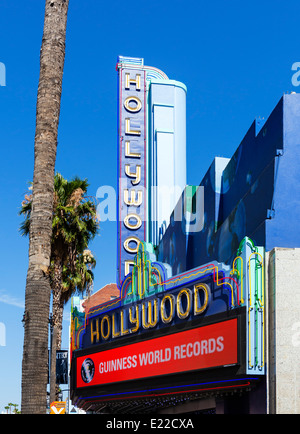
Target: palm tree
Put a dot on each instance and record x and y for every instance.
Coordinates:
(78, 281)
(37, 292)
(15, 411)
(74, 225)
(10, 404)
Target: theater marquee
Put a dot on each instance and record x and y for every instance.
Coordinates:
(207, 322)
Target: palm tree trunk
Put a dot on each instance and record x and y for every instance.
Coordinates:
(37, 295)
(53, 365)
(56, 293)
(59, 324)
(60, 311)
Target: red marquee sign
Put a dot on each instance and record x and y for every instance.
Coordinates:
(203, 347)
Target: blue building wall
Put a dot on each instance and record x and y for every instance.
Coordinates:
(283, 229)
(256, 193)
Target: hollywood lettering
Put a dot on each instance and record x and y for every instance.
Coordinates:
(150, 313)
(132, 168)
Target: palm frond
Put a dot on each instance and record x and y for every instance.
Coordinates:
(74, 226)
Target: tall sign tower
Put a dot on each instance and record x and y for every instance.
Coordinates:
(151, 155)
(132, 154)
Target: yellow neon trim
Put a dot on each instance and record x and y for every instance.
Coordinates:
(241, 276)
(95, 332)
(187, 292)
(202, 286)
(134, 320)
(149, 323)
(126, 331)
(168, 319)
(108, 327)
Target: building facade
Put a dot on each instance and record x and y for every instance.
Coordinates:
(207, 319)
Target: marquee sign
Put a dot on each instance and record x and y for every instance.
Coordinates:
(203, 347)
(132, 166)
(151, 300)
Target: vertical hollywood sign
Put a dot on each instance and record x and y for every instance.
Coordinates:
(132, 168)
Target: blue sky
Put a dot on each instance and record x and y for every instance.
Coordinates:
(234, 57)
